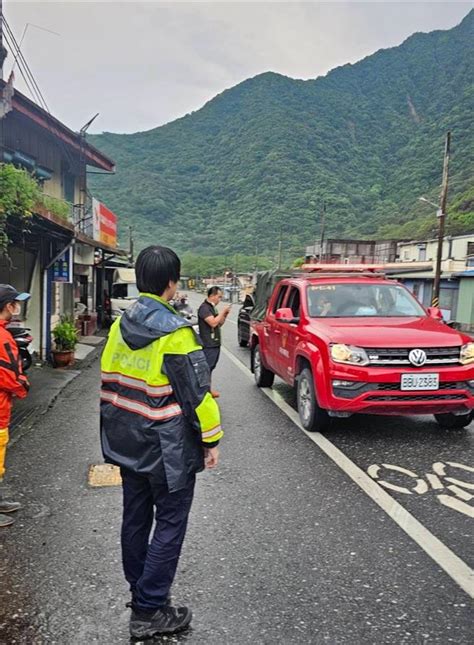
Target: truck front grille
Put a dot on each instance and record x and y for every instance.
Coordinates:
(415, 396)
(396, 387)
(399, 356)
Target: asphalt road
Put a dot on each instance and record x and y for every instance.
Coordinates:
(282, 547)
(416, 444)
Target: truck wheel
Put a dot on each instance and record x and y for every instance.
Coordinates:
(263, 377)
(242, 342)
(454, 421)
(312, 417)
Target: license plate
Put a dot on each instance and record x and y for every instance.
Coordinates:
(419, 382)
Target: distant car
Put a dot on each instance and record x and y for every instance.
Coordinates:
(243, 321)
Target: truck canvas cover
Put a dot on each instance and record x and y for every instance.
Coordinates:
(266, 281)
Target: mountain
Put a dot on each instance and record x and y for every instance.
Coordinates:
(367, 139)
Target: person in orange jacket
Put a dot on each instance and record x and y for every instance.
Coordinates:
(12, 382)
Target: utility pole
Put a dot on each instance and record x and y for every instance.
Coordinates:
(323, 225)
(441, 221)
(280, 248)
(130, 245)
(3, 51)
(256, 257)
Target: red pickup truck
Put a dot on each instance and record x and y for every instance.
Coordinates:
(358, 342)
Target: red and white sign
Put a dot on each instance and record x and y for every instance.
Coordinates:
(104, 224)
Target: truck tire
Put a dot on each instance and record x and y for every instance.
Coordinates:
(454, 421)
(263, 377)
(242, 342)
(312, 417)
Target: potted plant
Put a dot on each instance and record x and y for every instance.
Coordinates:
(65, 340)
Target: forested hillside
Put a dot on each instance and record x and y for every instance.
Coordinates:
(367, 139)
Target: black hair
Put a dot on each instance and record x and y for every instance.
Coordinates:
(212, 291)
(155, 268)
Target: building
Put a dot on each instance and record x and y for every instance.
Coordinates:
(455, 297)
(58, 257)
(350, 251)
(417, 260)
(458, 248)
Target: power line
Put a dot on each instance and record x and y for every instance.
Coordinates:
(36, 92)
(16, 50)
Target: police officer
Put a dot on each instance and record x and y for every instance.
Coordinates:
(161, 425)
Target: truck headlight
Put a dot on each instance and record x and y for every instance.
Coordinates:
(341, 353)
(467, 354)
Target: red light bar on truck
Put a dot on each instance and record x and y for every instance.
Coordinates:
(345, 268)
(367, 268)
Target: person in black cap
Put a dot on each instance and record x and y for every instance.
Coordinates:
(12, 382)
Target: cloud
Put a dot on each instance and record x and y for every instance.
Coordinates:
(143, 64)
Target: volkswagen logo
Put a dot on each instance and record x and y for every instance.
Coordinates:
(417, 357)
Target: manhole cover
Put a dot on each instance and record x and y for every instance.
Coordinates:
(104, 475)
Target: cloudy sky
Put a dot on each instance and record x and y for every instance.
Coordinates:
(142, 64)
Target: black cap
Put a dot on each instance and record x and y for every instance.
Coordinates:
(10, 294)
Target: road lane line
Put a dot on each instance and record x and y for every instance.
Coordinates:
(442, 555)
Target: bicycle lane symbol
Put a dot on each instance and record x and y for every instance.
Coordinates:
(449, 490)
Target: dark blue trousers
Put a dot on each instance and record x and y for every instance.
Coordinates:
(150, 565)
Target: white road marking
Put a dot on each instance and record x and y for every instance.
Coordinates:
(457, 505)
(442, 555)
(420, 488)
(460, 492)
(434, 481)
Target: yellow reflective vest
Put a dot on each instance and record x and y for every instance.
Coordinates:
(157, 413)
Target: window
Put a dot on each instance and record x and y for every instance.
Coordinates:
(446, 298)
(248, 302)
(294, 301)
(68, 187)
(421, 253)
(125, 290)
(280, 298)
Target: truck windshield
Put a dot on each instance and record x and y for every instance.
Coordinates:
(361, 300)
(124, 290)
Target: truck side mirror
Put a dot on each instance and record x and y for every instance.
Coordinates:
(435, 312)
(285, 315)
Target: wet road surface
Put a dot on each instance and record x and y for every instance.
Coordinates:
(282, 546)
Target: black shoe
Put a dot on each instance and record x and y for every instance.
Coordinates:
(5, 520)
(165, 620)
(9, 507)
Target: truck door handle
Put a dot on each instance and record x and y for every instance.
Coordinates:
(277, 331)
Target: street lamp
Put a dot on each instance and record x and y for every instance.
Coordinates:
(427, 201)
